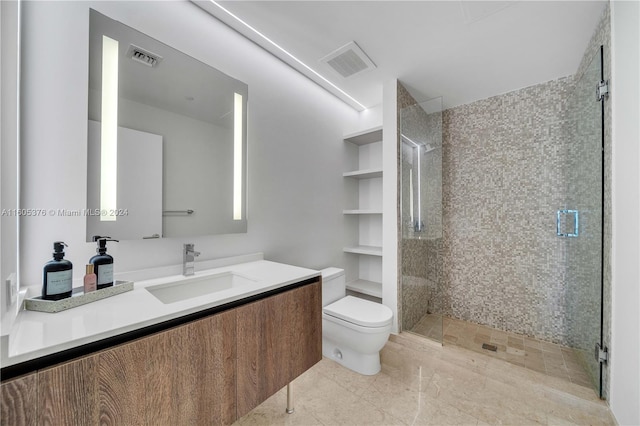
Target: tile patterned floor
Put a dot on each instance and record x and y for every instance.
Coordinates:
(538, 355)
(424, 384)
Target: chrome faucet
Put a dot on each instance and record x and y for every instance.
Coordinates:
(189, 259)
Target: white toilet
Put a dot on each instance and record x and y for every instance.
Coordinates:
(353, 329)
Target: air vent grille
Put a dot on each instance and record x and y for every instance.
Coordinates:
(349, 60)
(143, 56)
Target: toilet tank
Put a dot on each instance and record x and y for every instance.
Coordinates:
(333, 285)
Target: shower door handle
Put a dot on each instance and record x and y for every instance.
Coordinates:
(559, 223)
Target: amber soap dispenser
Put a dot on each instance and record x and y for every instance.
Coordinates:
(90, 280)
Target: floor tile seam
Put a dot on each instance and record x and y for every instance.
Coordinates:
(442, 402)
(516, 412)
(468, 368)
(548, 365)
(531, 399)
(309, 412)
(598, 404)
(328, 377)
(473, 412)
(361, 398)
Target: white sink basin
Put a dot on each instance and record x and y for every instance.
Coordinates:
(197, 286)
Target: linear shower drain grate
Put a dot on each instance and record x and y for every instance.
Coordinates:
(489, 347)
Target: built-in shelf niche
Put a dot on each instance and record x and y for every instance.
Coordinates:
(363, 212)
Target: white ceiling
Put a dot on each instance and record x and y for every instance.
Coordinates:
(179, 83)
(460, 50)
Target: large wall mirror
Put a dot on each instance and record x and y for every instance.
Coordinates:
(167, 140)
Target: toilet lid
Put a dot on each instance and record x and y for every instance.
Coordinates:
(360, 311)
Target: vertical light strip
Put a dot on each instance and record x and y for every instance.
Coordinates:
(411, 196)
(419, 190)
(419, 178)
(109, 130)
(238, 124)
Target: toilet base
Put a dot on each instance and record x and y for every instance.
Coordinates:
(366, 364)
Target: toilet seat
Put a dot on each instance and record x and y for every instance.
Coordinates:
(360, 312)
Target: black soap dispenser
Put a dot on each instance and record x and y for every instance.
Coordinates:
(102, 263)
(57, 275)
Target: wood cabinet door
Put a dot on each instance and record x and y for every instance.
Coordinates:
(67, 393)
(181, 376)
(190, 374)
(19, 401)
(278, 338)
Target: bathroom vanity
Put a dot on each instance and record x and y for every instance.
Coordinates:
(203, 360)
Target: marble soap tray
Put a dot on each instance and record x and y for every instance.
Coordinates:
(78, 298)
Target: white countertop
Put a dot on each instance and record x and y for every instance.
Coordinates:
(36, 334)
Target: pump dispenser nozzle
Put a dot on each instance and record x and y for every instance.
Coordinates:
(58, 249)
(102, 243)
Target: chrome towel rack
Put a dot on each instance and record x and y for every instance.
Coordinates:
(185, 212)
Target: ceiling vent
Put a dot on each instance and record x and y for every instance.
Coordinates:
(349, 60)
(143, 56)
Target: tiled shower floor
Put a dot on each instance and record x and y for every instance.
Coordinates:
(538, 355)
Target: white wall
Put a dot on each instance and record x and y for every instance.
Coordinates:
(8, 149)
(390, 200)
(625, 97)
(295, 137)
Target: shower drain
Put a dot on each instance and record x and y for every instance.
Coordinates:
(489, 347)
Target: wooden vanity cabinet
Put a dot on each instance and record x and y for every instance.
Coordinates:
(183, 376)
(19, 398)
(279, 338)
(208, 371)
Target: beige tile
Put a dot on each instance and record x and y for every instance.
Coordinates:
(448, 338)
(551, 347)
(516, 343)
(531, 343)
(394, 398)
(536, 367)
(515, 359)
(576, 410)
(272, 411)
(575, 367)
(561, 374)
(480, 339)
(484, 330)
(533, 360)
(350, 380)
(533, 351)
(513, 351)
(424, 383)
(331, 403)
(553, 357)
(435, 412)
(582, 381)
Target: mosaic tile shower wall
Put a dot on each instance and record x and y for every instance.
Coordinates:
(503, 184)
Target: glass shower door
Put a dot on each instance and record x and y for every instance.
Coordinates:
(421, 218)
(580, 220)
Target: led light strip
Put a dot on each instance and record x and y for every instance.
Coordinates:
(109, 130)
(237, 155)
(417, 146)
(277, 46)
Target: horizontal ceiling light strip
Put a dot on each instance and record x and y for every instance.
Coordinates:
(277, 46)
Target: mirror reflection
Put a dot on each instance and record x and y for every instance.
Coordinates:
(166, 140)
